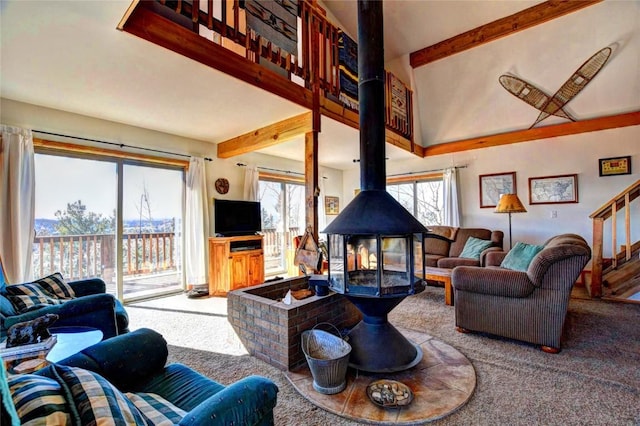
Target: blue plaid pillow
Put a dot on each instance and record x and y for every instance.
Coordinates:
(157, 410)
(55, 285)
(93, 400)
(38, 400)
(51, 290)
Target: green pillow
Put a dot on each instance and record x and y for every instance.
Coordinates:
(520, 256)
(473, 247)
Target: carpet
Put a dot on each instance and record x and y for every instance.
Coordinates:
(595, 380)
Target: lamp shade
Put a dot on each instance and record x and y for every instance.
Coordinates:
(509, 203)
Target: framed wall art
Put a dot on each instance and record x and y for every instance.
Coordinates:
(331, 205)
(492, 186)
(553, 189)
(614, 166)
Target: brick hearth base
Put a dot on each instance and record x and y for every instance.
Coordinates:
(271, 330)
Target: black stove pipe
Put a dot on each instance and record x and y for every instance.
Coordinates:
(371, 88)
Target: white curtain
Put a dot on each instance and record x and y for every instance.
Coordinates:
(451, 208)
(196, 223)
(17, 203)
(322, 214)
(251, 183)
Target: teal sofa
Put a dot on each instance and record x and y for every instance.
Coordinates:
(132, 368)
(91, 307)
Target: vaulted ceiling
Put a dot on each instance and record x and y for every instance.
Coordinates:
(68, 55)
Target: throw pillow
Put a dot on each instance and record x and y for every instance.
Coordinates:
(38, 400)
(520, 256)
(474, 247)
(55, 285)
(50, 290)
(25, 297)
(157, 410)
(95, 401)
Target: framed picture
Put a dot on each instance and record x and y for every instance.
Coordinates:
(553, 189)
(615, 166)
(331, 205)
(494, 185)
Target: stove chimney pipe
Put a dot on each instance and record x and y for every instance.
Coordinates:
(371, 87)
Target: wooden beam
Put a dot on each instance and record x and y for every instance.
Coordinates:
(503, 27)
(161, 31)
(395, 139)
(311, 188)
(563, 129)
(267, 136)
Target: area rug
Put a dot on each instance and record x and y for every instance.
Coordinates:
(594, 380)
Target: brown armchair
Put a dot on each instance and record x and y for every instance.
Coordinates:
(530, 306)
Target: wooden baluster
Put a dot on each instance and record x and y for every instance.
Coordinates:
(210, 14)
(41, 248)
(171, 250)
(179, 6)
(81, 258)
(95, 255)
(157, 240)
(195, 10)
(627, 225)
(614, 234)
(128, 254)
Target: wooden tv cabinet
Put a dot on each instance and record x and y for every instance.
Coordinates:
(235, 262)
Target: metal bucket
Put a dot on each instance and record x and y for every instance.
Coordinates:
(328, 359)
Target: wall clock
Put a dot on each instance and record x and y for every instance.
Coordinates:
(222, 185)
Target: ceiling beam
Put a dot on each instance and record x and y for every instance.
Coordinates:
(503, 27)
(267, 136)
(563, 129)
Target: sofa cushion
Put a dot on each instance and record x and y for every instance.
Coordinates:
(463, 235)
(38, 400)
(157, 410)
(25, 297)
(520, 256)
(93, 400)
(55, 285)
(50, 290)
(474, 247)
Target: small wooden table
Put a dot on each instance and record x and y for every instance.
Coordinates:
(442, 275)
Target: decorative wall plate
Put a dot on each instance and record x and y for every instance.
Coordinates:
(222, 185)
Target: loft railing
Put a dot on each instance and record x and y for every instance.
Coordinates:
(610, 210)
(93, 255)
(224, 23)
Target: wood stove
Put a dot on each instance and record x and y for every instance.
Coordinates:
(375, 245)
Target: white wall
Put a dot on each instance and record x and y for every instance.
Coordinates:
(575, 154)
(56, 121)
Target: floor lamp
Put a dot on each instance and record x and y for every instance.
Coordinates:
(509, 203)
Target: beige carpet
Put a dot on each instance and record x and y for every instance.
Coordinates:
(595, 380)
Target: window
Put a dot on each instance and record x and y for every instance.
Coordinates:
(422, 196)
(87, 227)
(283, 218)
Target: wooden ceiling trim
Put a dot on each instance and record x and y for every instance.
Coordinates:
(563, 129)
(158, 30)
(503, 27)
(264, 137)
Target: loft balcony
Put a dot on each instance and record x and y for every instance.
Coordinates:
(318, 73)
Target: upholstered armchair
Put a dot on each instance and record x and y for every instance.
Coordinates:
(528, 304)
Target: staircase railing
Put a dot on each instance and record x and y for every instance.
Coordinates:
(610, 210)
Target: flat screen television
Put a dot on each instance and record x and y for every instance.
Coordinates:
(236, 217)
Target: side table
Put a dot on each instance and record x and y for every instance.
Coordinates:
(72, 340)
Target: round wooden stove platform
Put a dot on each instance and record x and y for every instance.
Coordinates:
(441, 383)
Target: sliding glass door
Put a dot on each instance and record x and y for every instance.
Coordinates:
(151, 230)
(283, 218)
(110, 218)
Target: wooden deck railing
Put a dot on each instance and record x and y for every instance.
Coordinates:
(83, 256)
(318, 42)
(610, 210)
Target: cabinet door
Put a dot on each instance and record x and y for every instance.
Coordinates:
(239, 271)
(218, 269)
(256, 269)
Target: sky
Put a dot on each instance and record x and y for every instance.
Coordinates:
(63, 180)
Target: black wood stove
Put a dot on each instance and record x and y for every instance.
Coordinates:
(375, 245)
